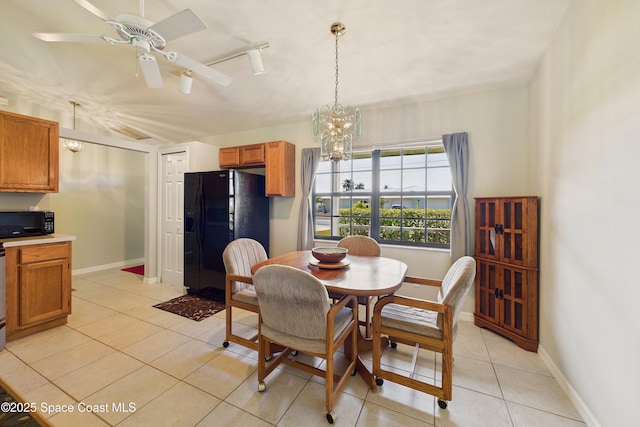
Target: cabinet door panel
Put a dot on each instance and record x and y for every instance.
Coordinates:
(252, 155)
(44, 252)
(280, 173)
(28, 154)
(514, 282)
(516, 235)
(44, 291)
(486, 221)
(487, 290)
(229, 157)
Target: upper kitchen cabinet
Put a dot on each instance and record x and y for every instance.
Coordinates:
(28, 154)
(277, 157)
(244, 156)
(281, 168)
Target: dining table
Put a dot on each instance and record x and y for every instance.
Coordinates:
(355, 275)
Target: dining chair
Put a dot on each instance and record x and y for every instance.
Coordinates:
(295, 313)
(238, 257)
(424, 324)
(362, 246)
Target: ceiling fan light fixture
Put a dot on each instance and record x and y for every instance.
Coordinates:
(255, 59)
(186, 81)
(73, 145)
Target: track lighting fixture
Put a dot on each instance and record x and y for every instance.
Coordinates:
(254, 53)
(186, 81)
(255, 59)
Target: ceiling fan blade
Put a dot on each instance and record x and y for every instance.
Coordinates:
(96, 11)
(201, 69)
(178, 25)
(150, 71)
(68, 37)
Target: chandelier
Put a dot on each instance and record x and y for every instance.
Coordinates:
(337, 127)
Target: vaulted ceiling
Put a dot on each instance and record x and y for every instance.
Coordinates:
(392, 53)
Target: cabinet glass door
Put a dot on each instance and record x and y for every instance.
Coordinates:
(512, 295)
(487, 282)
(513, 228)
(486, 217)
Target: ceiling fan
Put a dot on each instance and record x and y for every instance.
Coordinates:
(146, 37)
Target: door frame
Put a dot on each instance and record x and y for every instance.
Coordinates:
(151, 268)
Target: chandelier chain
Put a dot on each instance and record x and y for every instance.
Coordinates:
(336, 95)
(75, 104)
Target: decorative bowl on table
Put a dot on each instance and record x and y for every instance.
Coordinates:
(329, 255)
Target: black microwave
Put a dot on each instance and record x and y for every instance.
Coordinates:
(26, 223)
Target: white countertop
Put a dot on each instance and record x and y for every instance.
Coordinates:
(36, 240)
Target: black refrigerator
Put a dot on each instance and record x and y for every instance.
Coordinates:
(219, 207)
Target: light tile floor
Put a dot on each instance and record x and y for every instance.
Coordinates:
(119, 361)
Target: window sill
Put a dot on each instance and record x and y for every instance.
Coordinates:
(416, 248)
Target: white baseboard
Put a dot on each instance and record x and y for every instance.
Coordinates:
(118, 264)
(586, 414)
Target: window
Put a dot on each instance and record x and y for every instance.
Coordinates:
(397, 196)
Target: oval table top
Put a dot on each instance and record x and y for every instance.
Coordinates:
(364, 276)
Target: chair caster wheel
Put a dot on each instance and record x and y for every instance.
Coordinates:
(379, 381)
(394, 344)
(331, 417)
(262, 386)
(268, 357)
(442, 404)
(225, 344)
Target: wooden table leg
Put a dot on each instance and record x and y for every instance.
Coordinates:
(364, 344)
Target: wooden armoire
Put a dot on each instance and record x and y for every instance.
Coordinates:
(506, 253)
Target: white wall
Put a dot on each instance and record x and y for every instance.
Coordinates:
(497, 125)
(101, 202)
(585, 122)
(101, 199)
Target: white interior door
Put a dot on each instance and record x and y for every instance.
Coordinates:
(174, 166)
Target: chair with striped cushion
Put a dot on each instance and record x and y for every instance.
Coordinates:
(295, 314)
(362, 246)
(424, 324)
(238, 257)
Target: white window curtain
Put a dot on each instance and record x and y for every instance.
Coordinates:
(456, 146)
(310, 157)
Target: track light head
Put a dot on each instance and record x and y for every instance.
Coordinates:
(186, 81)
(255, 59)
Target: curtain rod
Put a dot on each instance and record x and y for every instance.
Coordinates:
(404, 143)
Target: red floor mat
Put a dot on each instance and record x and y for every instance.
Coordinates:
(138, 269)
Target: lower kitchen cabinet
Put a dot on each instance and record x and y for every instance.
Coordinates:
(38, 287)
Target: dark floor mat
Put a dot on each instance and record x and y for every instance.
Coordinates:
(192, 307)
